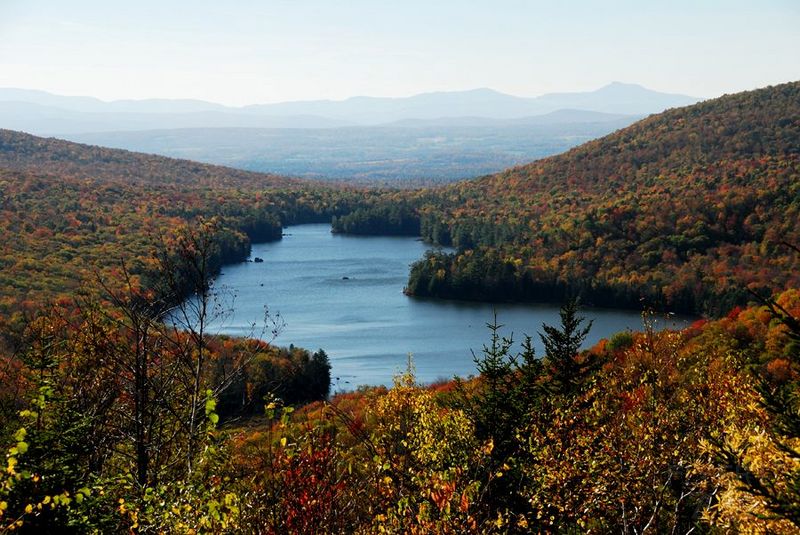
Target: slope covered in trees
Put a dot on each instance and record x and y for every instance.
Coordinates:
(71, 213)
(681, 210)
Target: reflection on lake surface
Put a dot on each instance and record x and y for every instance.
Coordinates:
(344, 294)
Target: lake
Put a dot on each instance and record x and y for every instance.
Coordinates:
(344, 294)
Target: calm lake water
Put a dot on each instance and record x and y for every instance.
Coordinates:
(364, 322)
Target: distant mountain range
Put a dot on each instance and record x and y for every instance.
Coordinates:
(44, 113)
(617, 98)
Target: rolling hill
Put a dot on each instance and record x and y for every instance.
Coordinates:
(25, 152)
(70, 213)
(686, 210)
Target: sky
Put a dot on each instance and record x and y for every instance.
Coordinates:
(241, 52)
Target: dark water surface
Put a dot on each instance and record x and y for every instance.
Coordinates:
(364, 322)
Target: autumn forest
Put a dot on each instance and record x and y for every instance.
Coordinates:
(117, 418)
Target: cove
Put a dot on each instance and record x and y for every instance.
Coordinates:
(344, 294)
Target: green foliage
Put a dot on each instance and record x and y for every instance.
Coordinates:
(620, 341)
(561, 346)
(293, 375)
(384, 218)
(40, 489)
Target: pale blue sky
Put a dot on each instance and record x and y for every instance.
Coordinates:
(242, 52)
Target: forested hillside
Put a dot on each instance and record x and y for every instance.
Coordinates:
(683, 210)
(72, 213)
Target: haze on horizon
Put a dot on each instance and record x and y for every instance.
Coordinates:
(258, 52)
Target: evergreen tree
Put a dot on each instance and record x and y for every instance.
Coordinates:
(496, 366)
(561, 346)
